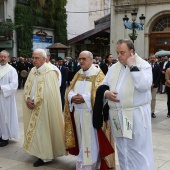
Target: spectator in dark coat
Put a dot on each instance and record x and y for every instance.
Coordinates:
(164, 67)
(22, 72)
(64, 75)
(13, 62)
(156, 70)
(108, 63)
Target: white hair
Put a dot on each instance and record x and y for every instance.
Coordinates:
(6, 52)
(48, 53)
(90, 54)
(43, 52)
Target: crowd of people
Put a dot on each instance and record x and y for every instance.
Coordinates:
(84, 107)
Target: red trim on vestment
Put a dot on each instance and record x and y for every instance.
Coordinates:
(105, 148)
(75, 150)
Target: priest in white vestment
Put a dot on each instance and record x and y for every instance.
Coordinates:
(80, 99)
(42, 112)
(8, 110)
(129, 98)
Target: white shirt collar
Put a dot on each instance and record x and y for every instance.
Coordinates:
(87, 71)
(41, 68)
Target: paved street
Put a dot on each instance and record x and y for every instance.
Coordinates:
(12, 157)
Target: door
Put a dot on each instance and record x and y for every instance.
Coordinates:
(159, 41)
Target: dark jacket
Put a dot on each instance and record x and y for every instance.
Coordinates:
(156, 71)
(100, 113)
(64, 75)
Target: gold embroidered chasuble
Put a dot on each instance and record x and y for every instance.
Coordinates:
(43, 126)
(96, 80)
(93, 79)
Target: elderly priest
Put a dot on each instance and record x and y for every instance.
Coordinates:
(43, 121)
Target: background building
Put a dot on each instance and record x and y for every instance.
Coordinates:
(82, 14)
(33, 24)
(7, 8)
(85, 20)
(156, 34)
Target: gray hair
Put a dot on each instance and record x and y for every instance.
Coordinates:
(42, 51)
(90, 54)
(48, 53)
(6, 52)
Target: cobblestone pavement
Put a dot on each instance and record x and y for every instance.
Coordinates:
(12, 157)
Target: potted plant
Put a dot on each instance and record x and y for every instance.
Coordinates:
(6, 29)
(133, 36)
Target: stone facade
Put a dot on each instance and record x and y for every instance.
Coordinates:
(7, 8)
(82, 14)
(147, 40)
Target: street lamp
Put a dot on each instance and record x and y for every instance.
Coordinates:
(134, 25)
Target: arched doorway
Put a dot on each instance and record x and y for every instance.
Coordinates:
(160, 35)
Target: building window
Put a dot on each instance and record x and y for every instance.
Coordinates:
(163, 24)
(163, 41)
(2, 11)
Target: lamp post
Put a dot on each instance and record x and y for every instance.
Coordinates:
(134, 25)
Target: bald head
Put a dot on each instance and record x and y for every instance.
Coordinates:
(85, 59)
(87, 53)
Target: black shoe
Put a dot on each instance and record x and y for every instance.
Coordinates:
(153, 115)
(38, 163)
(3, 143)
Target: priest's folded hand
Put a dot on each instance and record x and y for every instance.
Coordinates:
(77, 99)
(30, 104)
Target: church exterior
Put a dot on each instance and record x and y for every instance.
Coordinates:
(155, 36)
(82, 14)
(156, 33)
(7, 12)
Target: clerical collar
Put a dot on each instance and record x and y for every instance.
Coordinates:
(87, 71)
(41, 68)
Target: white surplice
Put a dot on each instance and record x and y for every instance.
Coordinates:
(8, 110)
(84, 88)
(135, 153)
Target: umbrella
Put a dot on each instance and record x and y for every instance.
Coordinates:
(162, 53)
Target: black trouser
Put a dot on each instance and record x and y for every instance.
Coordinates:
(168, 99)
(21, 81)
(62, 92)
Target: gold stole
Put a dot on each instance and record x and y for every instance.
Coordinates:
(127, 102)
(5, 70)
